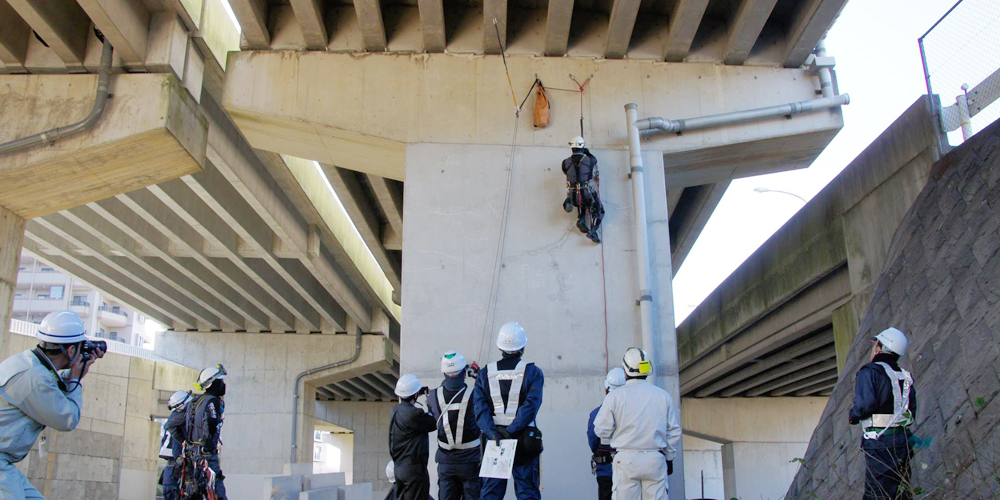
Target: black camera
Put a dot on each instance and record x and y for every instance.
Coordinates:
(90, 346)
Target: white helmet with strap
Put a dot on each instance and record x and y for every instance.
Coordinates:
(61, 327)
(210, 375)
(453, 362)
(179, 400)
(893, 340)
(615, 378)
(636, 363)
(577, 142)
(512, 337)
(408, 385)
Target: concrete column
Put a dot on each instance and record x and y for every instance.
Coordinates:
(845, 325)
(11, 236)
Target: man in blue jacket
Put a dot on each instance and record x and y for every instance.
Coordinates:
(885, 404)
(507, 397)
(600, 463)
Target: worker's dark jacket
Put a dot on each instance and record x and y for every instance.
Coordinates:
(579, 168)
(408, 429)
(454, 390)
(175, 432)
(873, 392)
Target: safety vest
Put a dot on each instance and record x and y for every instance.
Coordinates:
(454, 440)
(901, 416)
(504, 413)
(196, 419)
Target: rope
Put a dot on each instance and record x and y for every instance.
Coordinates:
(507, 70)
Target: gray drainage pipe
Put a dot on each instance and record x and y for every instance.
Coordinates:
(298, 379)
(662, 125)
(51, 136)
(645, 300)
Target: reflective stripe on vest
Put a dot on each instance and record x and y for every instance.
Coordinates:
(901, 416)
(454, 440)
(503, 414)
(166, 451)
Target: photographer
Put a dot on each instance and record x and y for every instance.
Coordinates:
(40, 388)
(408, 443)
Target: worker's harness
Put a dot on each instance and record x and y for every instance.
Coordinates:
(576, 189)
(197, 478)
(504, 413)
(877, 425)
(454, 440)
(603, 456)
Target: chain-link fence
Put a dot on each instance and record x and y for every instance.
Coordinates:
(961, 55)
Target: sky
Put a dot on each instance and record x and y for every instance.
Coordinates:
(878, 64)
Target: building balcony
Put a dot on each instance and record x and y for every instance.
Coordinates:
(25, 279)
(25, 305)
(81, 308)
(111, 318)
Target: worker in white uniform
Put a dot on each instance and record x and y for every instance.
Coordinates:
(640, 421)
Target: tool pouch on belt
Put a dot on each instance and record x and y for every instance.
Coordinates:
(529, 445)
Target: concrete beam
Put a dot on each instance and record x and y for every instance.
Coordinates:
(432, 25)
(389, 196)
(125, 23)
(339, 391)
(810, 22)
(684, 22)
(252, 16)
(494, 9)
(352, 197)
(689, 218)
(386, 389)
(820, 379)
(309, 14)
(62, 24)
(11, 239)
(361, 388)
(372, 27)
(152, 131)
(794, 366)
(14, 33)
(557, 25)
(620, 26)
(745, 28)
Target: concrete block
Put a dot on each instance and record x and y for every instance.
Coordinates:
(361, 491)
(321, 494)
(282, 487)
(318, 481)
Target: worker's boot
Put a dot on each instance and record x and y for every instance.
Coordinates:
(594, 235)
(581, 224)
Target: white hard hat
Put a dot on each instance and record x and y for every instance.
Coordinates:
(577, 142)
(615, 378)
(390, 471)
(178, 400)
(453, 362)
(893, 340)
(408, 385)
(512, 337)
(61, 327)
(636, 362)
(210, 375)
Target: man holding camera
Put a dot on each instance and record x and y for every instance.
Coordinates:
(41, 388)
(408, 443)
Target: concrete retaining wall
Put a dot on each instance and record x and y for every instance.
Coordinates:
(939, 284)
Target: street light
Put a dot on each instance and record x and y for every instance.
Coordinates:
(766, 190)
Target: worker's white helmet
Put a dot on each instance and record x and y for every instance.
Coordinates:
(408, 385)
(577, 142)
(636, 362)
(615, 378)
(512, 337)
(210, 375)
(61, 327)
(453, 362)
(893, 340)
(390, 471)
(178, 400)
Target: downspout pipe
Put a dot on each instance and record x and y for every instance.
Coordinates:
(53, 135)
(657, 124)
(298, 379)
(645, 292)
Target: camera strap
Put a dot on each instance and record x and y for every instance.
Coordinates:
(47, 363)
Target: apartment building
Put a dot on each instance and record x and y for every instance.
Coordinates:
(42, 289)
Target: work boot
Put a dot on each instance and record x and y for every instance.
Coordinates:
(568, 205)
(594, 236)
(582, 226)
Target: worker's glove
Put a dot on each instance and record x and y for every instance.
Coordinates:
(670, 467)
(853, 420)
(503, 433)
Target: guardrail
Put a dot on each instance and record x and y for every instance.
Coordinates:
(31, 329)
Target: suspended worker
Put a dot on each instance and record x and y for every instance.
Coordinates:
(583, 189)
(458, 452)
(172, 444)
(600, 462)
(641, 423)
(507, 397)
(408, 445)
(203, 420)
(885, 404)
(41, 388)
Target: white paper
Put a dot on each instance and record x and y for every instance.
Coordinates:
(498, 461)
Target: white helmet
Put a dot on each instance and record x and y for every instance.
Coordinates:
(61, 327)
(636, 362)
(390, 471)
(512, 337)
(453, 362)
(178, 400)
(210, 375)
(893, 340)
(615, 378)
(577, 142)
(408, 385)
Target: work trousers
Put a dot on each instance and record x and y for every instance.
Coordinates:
(587, 199)
(639, 475)
(412, 481)
(171, 479)
(604, 486)
(458, 481)
(887, 467)
(14, 486)
(526, 483)
(220, 487)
